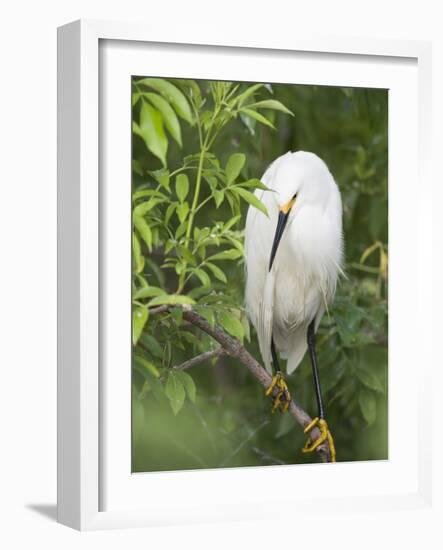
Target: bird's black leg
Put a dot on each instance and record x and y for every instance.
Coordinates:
(275, 363)
(281, 397)
(320, 420)
(315, 373)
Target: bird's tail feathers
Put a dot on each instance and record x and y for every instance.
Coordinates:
(298, 348)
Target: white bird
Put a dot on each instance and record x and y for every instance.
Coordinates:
(293, 261)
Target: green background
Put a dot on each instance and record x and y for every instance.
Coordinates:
(230, 424)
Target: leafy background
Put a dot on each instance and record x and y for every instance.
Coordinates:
(199, 149)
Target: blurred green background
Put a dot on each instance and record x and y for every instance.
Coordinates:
(230, 424)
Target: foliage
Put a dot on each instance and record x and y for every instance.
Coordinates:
(199, 149)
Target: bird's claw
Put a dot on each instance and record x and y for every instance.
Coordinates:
(325, 435)
(282, 398)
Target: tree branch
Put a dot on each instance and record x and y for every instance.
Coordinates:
(200, 358)
(234, 348)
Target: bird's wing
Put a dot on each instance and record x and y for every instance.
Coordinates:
(260, 284)
(266, 319)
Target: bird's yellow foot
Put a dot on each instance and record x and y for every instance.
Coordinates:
(282, 398)
(310, 445)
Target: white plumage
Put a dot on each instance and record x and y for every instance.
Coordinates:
(282, 302)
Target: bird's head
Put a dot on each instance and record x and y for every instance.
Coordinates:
(297, 179)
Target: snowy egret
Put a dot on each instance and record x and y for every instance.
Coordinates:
(293, 260)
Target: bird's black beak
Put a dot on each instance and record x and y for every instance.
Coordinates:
(283, 216)
(281, 224)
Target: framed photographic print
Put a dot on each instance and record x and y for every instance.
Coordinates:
(234, 222)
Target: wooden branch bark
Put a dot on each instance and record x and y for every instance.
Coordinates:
(234, 348)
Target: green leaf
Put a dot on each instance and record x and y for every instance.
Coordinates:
(152, 344)
(216, 298)
(201, 251)
(143, 208)
(169, 117)
(258, 117)
(143, 282)
(207, 313)
(169, 245)
(255, 184)
(231, 324)
(230, 223)
(182, 211)
(211, 179)
(144, 230)
(270, 104)
(152, 132)
(218, 197)
(188, 384)
(171, 299)
(241, 98)
(147, 365)
(175, 392)
(217, 272)
(156, 271)
(172, 94)
(251, 199)
(238, 244)
(139, 260)
(187, 255)
(231, 254)
(182, 186)
(233, 166)
(370, 380)
(148, 292)
(368, 405)
(170, 210)
(192, 88)
(249, 123)
(246, 328)
(137, 167)
(203, 276)
(181, 229)
(148, 193)
(197, 292)
(162, 177)
(140, 315)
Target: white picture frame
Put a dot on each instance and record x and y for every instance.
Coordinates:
(95, 488)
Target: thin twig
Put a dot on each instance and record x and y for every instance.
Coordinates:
(200, 358)
(159, 309)
(234, 348)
